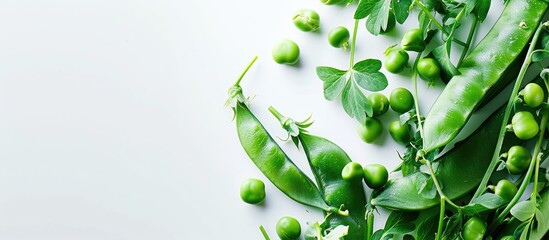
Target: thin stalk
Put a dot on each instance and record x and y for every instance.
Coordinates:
(441, 218)
(369, 225)
(433, 19)
(495, 157)
(468, 42)
(526, 180)
(416, 96)
(245, 71)
(265, 235)
(437, 185)
(353, 43)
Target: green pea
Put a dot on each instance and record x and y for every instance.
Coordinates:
(339, 37)
(413, 40)
(505, 189)
(370, 130)
(524, 125)
(288, 228)
(306, 20)
(379, 103)
(401, 100)
(332, 2)
(375, 175)
(518, 159)
(428, 69)
(533, 95)
(286, 51)
(400, 133)
(396, 60)
(474, 229)
(352, 171)
(252, 191)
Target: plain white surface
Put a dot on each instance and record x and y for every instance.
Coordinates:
(112, 123)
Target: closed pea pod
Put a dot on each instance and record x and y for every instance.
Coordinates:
(269, 158)
(327, 161)
(482, 71)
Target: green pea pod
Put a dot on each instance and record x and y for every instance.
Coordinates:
(269, 158)
(327, 160)
(482, 71)
(460, 170)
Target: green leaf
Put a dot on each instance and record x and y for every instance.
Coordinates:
(400, 229)
(355, 103)
(452, 227)
(442, 56)
(399, 223)
(377, 235)
(541, 216)
(538, 56)
(334, 81)
(367, 75)
(484, 202)
(337, 233)
(481, 9)
(379, 17)
(524, 210)
(401, 9)
(365, 8)
(426, 228)
(428, 189)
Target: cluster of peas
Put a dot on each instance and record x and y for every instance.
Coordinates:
(287, 51)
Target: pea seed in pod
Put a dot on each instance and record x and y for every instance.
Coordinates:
(396, 60)
(288, 228)
(379, 103)
(474, 229)
(352, 171)
(370, 131)
(375, 175)
(524, 125)
(413, 40)
(252, 191)
(533, 95)
(518, 159)
(339, 37)
(306, 20)
(286, 51)
(401, 100)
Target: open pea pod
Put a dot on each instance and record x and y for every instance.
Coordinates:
(459, 171)
(484, 72)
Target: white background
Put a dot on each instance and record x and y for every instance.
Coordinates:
(112, 123)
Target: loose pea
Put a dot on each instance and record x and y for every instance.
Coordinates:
(396, 60)
(379, 103)
(339, 37)
(370, 130)
(252, 191)
(518, 159)
(288, 228)
(400, 133)
(375, 175)
(474, 229)
(505, 189)
(401, 100)
(286, 51)
(428, 69)
(524, 125)
(533, 95)
(413, 40)
(306, 20)
(352, 171)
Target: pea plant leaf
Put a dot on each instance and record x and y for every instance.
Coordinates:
(541, 216)
(401, 9)
(348, 84)
(481, 9)
(426, 227)
(442, 56)
(334, 81)
(379, 17)
(524, 210)
(399, 223)
(542, 50)
(452, 227)
(365, 8)
(484, 202)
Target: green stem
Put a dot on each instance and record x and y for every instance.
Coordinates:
(437, 185)
(265, 235)
(369, 225)
(353, 43)
(416, 96)
(533, 164)
(433, 19)
(277, 114)
(441, 218)
(245, 71)
(495, 157)
(468, 42)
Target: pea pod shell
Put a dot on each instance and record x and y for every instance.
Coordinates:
(273, 162)
(327, 160)
(482, 71)
(460, 170)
